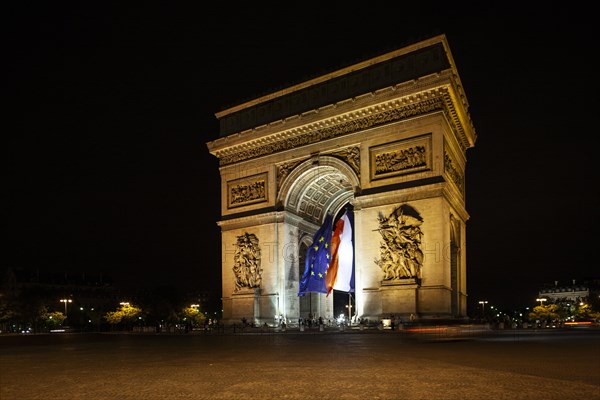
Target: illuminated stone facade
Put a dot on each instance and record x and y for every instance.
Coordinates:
(387, 137)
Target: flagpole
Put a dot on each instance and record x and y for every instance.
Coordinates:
(349, 309)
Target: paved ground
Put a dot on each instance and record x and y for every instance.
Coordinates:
(300, 365)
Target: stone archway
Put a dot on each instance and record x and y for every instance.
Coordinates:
(388, 136)
(319, 185)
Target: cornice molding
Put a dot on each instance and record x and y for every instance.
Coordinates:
(438, 99)
(252, 220)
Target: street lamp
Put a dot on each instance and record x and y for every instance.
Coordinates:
(541, 300)
(483, 303)
(66, 301)
(349, 307)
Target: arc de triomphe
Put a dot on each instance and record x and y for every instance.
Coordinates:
(387, 139)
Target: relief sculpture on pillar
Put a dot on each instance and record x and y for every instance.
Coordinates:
(401, 256)
(247, 270)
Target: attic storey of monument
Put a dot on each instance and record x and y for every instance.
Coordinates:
(386, 138)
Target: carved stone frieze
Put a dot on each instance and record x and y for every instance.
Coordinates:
(453, 173)
(380, 115)
(351, 155)
(246, 191)
(283, 170)
(400, 158)
(247, 262)
(400, 251)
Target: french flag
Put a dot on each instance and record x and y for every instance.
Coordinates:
(340, 275)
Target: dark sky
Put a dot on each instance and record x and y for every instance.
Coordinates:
(110, 108)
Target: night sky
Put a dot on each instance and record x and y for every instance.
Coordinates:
(110, 108)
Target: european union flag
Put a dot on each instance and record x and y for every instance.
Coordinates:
(318, 258)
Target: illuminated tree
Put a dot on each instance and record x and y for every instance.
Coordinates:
(126, 315)
(114, 317)
(545, 313)
(193, 316)
(53, 319)
(585, 313)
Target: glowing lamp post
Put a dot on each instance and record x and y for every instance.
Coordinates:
(541, 300)
(483, 303)
(66, 301)
(349, 307)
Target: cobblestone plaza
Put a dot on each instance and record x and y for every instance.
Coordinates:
(300, 365)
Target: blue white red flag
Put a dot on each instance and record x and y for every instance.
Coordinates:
(340, 275)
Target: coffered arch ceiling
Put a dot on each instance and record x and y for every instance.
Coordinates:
(317, 191)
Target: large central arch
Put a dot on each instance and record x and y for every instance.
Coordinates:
(318, 186)
(387, 139)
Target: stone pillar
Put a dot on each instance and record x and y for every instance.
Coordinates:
(399, 297)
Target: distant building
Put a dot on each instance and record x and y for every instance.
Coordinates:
(573, 292)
